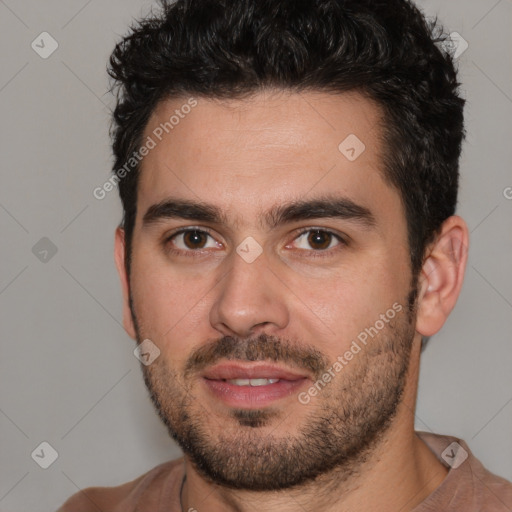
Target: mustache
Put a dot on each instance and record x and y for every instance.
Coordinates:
(262, 348)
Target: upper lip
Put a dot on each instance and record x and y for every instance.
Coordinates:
(257, 370)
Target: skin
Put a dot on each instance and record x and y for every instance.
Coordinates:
(286, 149)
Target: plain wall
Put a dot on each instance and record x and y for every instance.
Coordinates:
(68, 375)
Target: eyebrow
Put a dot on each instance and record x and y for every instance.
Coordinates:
(324, 207)
(327, 207)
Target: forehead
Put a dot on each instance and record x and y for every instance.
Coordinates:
(243, 155)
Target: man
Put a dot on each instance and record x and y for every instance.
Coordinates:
(288, 172)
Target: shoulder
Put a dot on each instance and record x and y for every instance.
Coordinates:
(469, 485)
(495, 491)
(146, 490)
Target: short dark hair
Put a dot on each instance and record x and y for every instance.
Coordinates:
(384, 49)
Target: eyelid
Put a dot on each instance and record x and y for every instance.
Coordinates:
(341, 238)
(299, 233)
(312, 254)
(182, 230)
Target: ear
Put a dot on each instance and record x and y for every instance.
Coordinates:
(441, 276)
(119, 257)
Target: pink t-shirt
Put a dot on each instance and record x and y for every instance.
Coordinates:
(468, 486)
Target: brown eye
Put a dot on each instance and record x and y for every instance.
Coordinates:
(319, 239)
(195, 239)
(191, 240)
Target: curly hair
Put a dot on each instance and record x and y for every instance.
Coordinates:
(385, 49)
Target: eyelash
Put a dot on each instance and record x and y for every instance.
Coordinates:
(326, 252)
(315, 254)
(179, 252)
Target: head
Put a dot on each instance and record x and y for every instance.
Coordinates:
(310, 152)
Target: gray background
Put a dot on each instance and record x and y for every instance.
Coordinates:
(68, 375)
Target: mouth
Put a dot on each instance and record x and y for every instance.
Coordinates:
(251, 382)
(252, 385)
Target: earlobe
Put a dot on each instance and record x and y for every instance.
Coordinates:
(119, 257)
(442, 275)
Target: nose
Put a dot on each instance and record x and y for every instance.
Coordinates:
(251, 299)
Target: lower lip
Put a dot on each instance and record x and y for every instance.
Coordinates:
(253, 396)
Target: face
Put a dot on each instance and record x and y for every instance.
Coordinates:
(270, 267)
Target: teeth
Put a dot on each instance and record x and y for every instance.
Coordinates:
(252, 382)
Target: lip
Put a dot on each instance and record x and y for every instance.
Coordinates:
(252, 397)
(232, 370)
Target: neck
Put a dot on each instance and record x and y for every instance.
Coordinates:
(398, 474)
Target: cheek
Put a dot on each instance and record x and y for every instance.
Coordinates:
(169, 307)
(348, 303)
